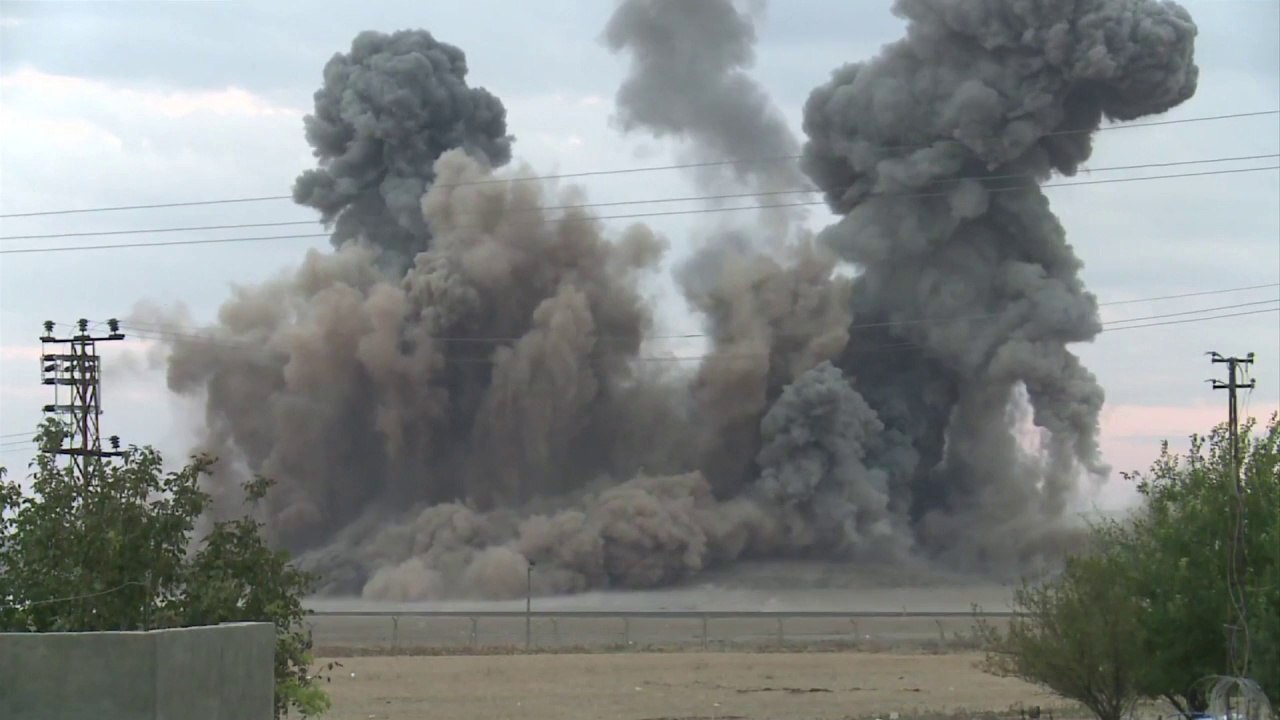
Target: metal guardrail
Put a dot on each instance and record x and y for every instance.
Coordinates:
(779, 619)
(674, 614)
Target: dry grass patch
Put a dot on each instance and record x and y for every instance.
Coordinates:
(677, 686)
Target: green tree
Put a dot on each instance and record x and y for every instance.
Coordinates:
(121, 552)
(1078, 634)
(1182, 545)
(1147, 609)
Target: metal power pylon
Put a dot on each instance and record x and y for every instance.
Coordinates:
(72, 366)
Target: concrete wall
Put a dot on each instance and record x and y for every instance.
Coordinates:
(224, 672)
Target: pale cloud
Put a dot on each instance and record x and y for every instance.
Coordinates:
(110, 143)
(230, 101)
(1132, 434)
(1174, 422)
(19, 353)
(32, 89)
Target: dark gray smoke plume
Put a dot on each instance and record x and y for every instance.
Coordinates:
(387, 110)
(933, 152)
(968, 293)
(461, 386)
(817, 438)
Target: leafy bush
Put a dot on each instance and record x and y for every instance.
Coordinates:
(120, 552)
(1148, 610)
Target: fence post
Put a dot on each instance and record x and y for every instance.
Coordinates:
(475, 635)
(704, 632)
(395, 633)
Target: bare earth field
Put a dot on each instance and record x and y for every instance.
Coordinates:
(675, 686)
(406, 666)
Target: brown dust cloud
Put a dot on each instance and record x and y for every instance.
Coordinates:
(461, 386)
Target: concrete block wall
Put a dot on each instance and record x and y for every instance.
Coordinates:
(222, 672)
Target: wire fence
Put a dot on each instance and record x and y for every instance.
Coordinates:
(425, 632)
(449, 632)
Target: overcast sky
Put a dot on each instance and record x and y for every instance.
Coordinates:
(121, 103)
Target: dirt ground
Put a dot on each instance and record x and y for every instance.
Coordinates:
(675, 686)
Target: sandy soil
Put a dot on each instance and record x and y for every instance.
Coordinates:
(682, 686)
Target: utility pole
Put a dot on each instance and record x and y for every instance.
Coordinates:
(75, 372)
(1237, 657)
(1233, 420)
(528, 606)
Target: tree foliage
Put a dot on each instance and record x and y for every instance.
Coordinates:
(1060, 639)
(1183, 545)
(1148, 609)
(122, 552)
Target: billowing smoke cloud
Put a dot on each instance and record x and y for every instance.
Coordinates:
(817, 438)
(387, 110)
(462, 386)
(933, 152)
(688, 81)
(770, 302)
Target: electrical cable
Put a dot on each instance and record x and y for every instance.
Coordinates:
(1111, 326)
(595, 218)
(620, 203)
(621, 171)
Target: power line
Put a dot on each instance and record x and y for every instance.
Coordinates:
(667, 213)
(1190, 294)
(621, 171)
(169, 243)
(157, 328)
(152, 206)
(1196, 312)
(1192, 320)
(154, 327)
(652, 201)
(1110, 326)
(913, 321)
(20, 446)
(194, 228)
(895, 347)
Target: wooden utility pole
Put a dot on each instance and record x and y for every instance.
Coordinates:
(1238, 656)
(1233, 419)
(76, 371)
